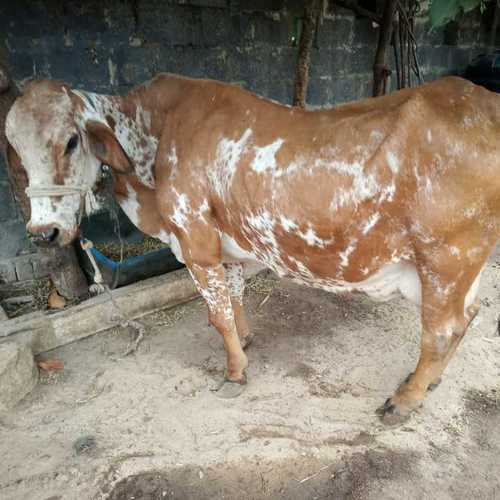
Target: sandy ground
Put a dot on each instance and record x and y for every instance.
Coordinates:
(148, 426)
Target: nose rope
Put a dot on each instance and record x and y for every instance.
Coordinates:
(54, 190)
(58, 190)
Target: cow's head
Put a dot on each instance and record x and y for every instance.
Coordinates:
(62, 147)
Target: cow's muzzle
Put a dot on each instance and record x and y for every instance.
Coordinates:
(45, 237)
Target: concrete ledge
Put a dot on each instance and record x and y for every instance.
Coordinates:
(44, 332)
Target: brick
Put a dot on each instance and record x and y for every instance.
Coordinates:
(16, 242)
(345, 89)
(365, 34)
(221, 4)
(272, 31)
(170, 25)
(24, 268)
(7, 271)
(216, 27)
(459, 59)
(360, 60)
(436, 57)
(136, 64)
(21, 63)
(334, 32)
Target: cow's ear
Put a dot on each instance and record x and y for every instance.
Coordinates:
(106, 147)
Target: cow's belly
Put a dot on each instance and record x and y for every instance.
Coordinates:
(391, 279)
(386, 283)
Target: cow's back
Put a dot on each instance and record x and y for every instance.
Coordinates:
(337, 186)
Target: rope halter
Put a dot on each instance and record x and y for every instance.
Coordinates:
(59, 190)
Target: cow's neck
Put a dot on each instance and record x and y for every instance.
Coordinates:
(131, 123)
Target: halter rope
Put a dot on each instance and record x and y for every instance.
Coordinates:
(59, 190)
(54, 190)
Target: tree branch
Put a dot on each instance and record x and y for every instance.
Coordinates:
(312, 12)
(380, 69)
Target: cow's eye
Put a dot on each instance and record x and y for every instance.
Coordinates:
(72, 143)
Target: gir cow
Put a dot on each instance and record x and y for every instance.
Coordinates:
(399, 193)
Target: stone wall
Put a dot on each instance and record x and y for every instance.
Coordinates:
(111, 45)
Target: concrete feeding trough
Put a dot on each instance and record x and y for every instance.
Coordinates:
(129, 270)
(147, 262)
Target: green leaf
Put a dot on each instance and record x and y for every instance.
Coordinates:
(443, 11)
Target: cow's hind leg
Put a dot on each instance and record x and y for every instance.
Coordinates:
(445, 318)
(235, 280)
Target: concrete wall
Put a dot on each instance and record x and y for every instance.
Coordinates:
(111, 45)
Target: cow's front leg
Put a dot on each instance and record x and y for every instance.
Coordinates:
(445, 319)
(210, 281)
(235, 280)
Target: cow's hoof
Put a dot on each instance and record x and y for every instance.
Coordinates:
(246, 341)
(229, 389)
(391, 414)
(434, 385)
(431, 387)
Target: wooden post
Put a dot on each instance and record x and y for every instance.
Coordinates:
(65, 272)
(311, 15)
(494, 24)
(380, 69)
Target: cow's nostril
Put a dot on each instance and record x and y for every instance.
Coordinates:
(47, 237)
(53, 236)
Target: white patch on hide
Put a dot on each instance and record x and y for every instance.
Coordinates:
(344, 256)
(265, 156)
(182, 209)
(172, 156)
(232, 252)
(288, 224)
(370, 223)
(171, 240)
(130, 205)
(227, 157)
(393, 162)
(364, 185)
(312, 239)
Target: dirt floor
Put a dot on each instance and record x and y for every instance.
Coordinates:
(148, 426)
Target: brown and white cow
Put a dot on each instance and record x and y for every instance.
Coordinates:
(395, 194)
